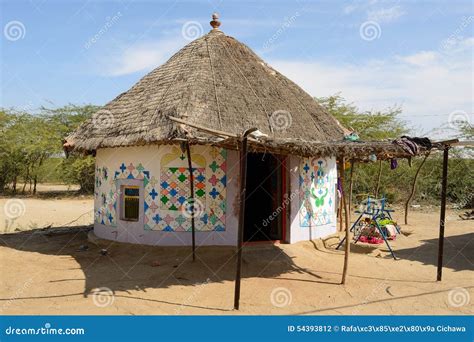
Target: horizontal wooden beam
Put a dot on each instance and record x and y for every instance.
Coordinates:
(447, 142)
(465, 143)
(202, 128)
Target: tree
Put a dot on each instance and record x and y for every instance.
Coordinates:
(369, 125)
(77, 168)
(395, 184)
(28, 140)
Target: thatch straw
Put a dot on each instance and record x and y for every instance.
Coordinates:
(215, 81)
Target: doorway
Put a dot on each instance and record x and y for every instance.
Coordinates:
(265, 216)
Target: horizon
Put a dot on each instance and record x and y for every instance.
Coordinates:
(376, 54)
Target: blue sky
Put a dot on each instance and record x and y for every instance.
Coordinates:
(378, 54)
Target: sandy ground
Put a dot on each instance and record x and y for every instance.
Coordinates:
(54, 206)
(47, 273)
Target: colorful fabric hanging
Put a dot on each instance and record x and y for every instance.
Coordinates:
(393, 163)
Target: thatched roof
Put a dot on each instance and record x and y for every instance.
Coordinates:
(214, 81)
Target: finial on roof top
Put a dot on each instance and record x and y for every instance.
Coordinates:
(215, 23)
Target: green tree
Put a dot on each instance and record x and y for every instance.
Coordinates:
(396, 184)
(77, 168)
(369, 125)
(28, 140)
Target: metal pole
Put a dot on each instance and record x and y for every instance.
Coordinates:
(378, 179)
(240, 234)
(442, 218)
(191, 185)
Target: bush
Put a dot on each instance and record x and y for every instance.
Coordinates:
(396, 184)
(79, 170)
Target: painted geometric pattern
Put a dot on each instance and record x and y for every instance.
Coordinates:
(175, 190)
(104, 199)
(317, 192)
(107, 212)
(131, 171)
(164, 196)
(166, 210)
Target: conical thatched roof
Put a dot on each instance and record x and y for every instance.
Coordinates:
(214, 81)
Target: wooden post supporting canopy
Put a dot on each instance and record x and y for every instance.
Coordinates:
(442, 218)
(191, 198)
(351, 185)
(240, 235)
(413, 187)
(347, 246)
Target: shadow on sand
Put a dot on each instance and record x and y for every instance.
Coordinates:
(458, 252)
(128, 267)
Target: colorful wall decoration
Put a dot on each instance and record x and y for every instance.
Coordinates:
(317, 182)
(104, 202)
(107, 194)
(167, 190)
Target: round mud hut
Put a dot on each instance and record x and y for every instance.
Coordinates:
(167, 152)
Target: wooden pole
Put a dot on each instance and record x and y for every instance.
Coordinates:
(413, 187)
(347, 246)
(202, 128)
(346, 211)
(240, 234)
(340, 203)
(351, 185)
(378, 179)
(191, 198)
(442, 218)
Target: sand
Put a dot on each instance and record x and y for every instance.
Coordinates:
(49, 273)
(56, 205)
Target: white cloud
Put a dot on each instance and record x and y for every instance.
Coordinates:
(348, 9)
(421, 58)
(142, 57)
(385, 15)
(427, 85)
(358, 5)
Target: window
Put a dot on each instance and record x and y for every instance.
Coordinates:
(131, 203)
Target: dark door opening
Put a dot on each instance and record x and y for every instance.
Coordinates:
(264, 214)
